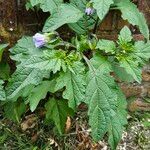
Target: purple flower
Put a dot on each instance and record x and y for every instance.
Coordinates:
(89, 11)
(39, 40)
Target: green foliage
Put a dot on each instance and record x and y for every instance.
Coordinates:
(66, 13)
(130, 56)
(73, 80)
(102, 7)
(86, 23)
(2, 92)
(131, 13)
(22, 78)
(58, 111)
(132, 68)
(4, 70)
(2, 47)
(46, 5)
(63, 74)
(39, 93)
(14, 110)
(118, 121)
(108, 46)
(101, 99)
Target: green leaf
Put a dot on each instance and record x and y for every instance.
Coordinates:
(24, 49)
(132, 68)
(52, 61)
(39, 93)
(102, 7)
(142, 50)
(74, 83)
(2, 47)
(106, 45)
(121, 73)
(131, 13)
(4, 70)
(125, 35)
(115, 132)
(86, 23)
(47, 5)
(118, 121)
(66, 13)
(2, 92)
(23, 77)
(14, 110)
(58, 111)
(100, 97)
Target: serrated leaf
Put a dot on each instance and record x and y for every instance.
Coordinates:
(142, 50)
(86, 23)
(74, 83)
(39, 93)
(100, 97)
(23, 77)
(125, 34)
(52, 61)
(102, 7)
(66, 13)
(2, 92)
(131, 13)
(47, 5)
(132, 68)
(121, 73)
(106, 45)
(118, 121)
(14, 110)
(58, 111)
(24, 49)
(115, 132)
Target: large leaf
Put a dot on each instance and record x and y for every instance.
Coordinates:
(24, 49)
(39, 93)
(52, 61)
(132, 68)
(22, 78)
(131, 13)
(47, 5)
(118, 121)
(2, 92)
(100, 96)
(86, 23)
(102, 7)
(58, 111)
(142, 50)
(74, 83)
(66, 13)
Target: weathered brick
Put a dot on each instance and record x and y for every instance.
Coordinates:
(139, 105)
(109, 23)
(131, 90)
(146, 75)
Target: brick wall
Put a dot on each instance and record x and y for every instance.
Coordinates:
(16, 21)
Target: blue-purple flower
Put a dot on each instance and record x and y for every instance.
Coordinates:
(89, 8)
(39, 40)
(89, 11)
